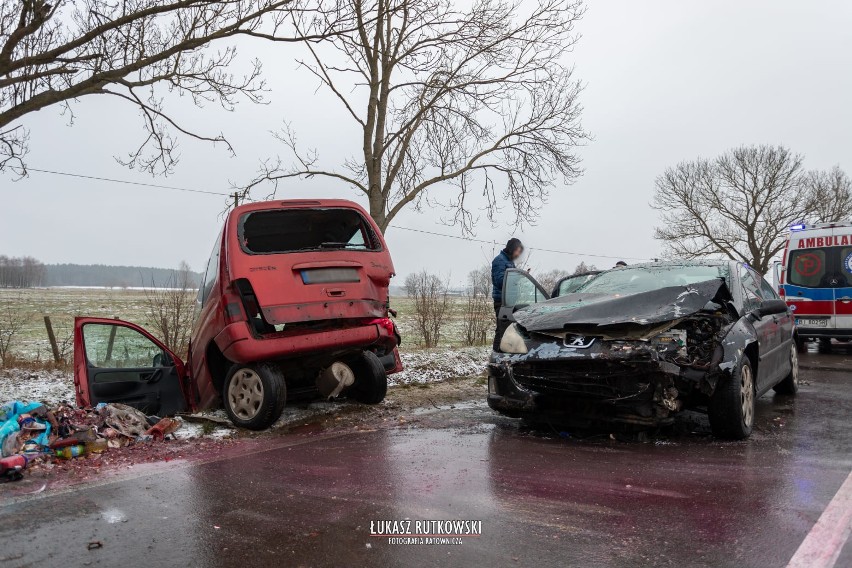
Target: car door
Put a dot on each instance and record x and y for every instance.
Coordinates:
(519, 290)
(766, 328)
(843, 292)
(119, 362)
(783, 332)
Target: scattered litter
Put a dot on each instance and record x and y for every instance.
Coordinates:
(95, 544)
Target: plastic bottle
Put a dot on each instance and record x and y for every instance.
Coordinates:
(96, 446)
(70, 452)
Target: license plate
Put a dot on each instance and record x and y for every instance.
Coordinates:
(811, 322)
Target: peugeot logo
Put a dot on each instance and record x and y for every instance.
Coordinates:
(579, 341)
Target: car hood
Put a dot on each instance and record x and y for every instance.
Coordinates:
(585, 312)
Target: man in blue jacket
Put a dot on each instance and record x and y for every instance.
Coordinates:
(501, 263)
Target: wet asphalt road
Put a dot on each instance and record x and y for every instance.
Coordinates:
(545, 499)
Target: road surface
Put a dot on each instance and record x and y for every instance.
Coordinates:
(544, 498)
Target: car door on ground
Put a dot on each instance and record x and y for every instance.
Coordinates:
(119, 362)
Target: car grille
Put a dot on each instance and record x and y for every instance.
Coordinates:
(602, 380)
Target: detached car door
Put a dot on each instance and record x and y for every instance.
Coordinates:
(117, 361)
(519, 291)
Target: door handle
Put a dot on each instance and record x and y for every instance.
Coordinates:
(845, 299)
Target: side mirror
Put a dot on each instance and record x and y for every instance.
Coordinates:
(772, 307)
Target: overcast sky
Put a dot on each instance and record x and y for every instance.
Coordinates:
(665, 81)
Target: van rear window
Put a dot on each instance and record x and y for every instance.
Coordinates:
(292, 230)
(820, 268)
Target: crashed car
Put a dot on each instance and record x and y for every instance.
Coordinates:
(293, 303)
(572, 283)
(637, 345)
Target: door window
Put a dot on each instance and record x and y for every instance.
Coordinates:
(751, 289)
(118, 347)
(521, 290)
(767, 292)
(807, 267)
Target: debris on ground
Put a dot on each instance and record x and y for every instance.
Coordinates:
(32, 433)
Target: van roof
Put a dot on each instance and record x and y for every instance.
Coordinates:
(296, 204)
(816, 226)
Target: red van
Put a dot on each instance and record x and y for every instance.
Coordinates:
(293, 304)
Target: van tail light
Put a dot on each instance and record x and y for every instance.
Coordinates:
(233, 303)
(388, 325)
(781, 291)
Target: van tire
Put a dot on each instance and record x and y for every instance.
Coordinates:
(790, 384)
(731, 408)
(245, 404)
(371, 379)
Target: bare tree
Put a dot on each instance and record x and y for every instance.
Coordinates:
(583, 268)
(447, 100)
(431, 303)
(54, 52)
(549, 279)
(739, 205)
(478, 315)
(831, 192)
(12, 320)
(170, 310)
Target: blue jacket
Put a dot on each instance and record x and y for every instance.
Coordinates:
(499, 266)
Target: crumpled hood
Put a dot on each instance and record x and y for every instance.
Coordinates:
(640, 310)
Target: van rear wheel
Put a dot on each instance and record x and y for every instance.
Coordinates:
(371, 380)
(254, 395)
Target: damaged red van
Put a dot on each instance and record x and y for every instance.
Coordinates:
(293, 304)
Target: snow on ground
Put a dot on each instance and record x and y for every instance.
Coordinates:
(421, 366)
(431, 365)
(49, 387)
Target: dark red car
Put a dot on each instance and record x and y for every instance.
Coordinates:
(294, 303)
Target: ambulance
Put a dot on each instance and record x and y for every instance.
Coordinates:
(815, 278)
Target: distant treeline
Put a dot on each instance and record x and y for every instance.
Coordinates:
(28, 272)
(112, 276)
(21, 272)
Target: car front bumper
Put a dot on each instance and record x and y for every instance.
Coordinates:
(643, 391)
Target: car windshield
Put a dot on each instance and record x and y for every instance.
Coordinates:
(573, 283)
(627, 281)
(292, 230)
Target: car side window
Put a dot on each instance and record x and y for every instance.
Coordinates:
(521, 290)
(211, 273)
(114, 346)
(766, 289)
(751, 289)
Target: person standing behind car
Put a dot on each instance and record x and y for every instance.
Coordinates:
(501, 263)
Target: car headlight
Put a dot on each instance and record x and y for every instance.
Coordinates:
(512, 342)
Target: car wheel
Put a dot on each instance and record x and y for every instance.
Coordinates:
(801, 345)
(254, 395)
(371, 380)
(790, 384)
(731, 407)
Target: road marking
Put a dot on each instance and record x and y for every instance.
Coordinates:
(824, 543)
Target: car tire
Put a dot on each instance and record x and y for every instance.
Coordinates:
(731, 408)
(801, 345)
(790, 384)
(371, 379)
(254, 395)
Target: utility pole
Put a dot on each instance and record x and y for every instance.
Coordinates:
(236, 199)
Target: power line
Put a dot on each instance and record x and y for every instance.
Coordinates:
(128, 182)
(530, 248)
(220, 194)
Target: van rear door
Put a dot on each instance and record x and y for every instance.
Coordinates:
(807, 288)
(310, 263)
(843, 291)
(117, 361)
